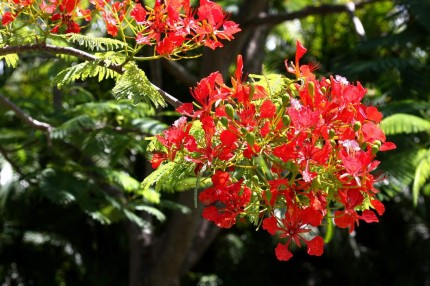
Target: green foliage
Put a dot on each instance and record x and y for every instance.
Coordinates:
(93, 43)
(404, 123)
(11, 60)
(83, 71)
(422, 174)
(172, 177)
(134, 84)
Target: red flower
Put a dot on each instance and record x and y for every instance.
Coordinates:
(7, 18)
(292, 227)
(233, 197)
(348, 217)
(138, 13)
(267, 109)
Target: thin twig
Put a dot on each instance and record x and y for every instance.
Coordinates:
(27, 118)
(22, 49)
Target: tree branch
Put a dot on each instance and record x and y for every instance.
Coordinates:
(50, 49)
(25, 117)
(326, 9)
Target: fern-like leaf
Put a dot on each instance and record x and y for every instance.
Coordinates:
(150, 125)
(404, 123)
(422, 174)
(152, 211)
(134, 84)
(155, 176)
(274, 83)
(83, 71)
(75, 124)
(121, 179)
(94, 43)
(11, 60)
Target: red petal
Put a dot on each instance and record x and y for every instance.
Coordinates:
(282, 252)
(379, 207)
(267, 109)
(387, 146)
(344, 220)
(220, 178)
(239, 68)
(186, 109)
(271, 225)
(369, 216)
(311, 216)
(228, 138)
(316, 246)
(373, 114)
(138, 13)
(372, 132)
(300, 51)
(7, 18)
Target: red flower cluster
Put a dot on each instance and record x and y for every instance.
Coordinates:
(284, 152)
(60, 15)
(171, 26)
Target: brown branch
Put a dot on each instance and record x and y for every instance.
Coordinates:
(50, 49)
(25, 117)
(325, 9)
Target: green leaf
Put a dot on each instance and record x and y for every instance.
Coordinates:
(82, 71)
(152, 211)
(404, 123)
(121, 179)
(155, 176)
(151, 195)
(150, 125)
(93, 43)
(11, 60)
(134, 85)
(422, 174)
(73, 125)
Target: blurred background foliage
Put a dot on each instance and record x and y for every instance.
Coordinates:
(71, 212)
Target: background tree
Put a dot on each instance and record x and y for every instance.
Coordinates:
(70, 210)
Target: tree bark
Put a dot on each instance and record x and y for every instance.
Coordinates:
(171, 249)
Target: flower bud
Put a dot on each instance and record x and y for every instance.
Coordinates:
(286, 120)
(293, 89)
(251, 91)
(229, 110)
(357, 126)
(333, 142)
(377, 142)
(285, 99)
(224, 121)
(375, 149)
(331, 133)
(323, 89)
(311, 89)
(250, 138)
